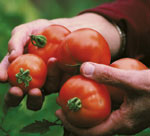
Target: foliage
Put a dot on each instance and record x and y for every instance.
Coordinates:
(13, 13)
(20, 121)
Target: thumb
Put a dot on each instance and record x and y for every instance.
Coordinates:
(3, 69)
(100, 73)
(108, 75)
(21, 35)
(16, 45)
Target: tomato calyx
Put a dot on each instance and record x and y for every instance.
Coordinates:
(74, 104)
(75, 65)
(24, 77)
(38, 40)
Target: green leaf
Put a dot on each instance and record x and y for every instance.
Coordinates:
(39, 127)
(2, 133)
(20, 117)
(145, 132)
(54, 131)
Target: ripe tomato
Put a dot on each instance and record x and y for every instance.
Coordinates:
(117, 94)
(83, 45)
(46, 43)
(84, 102)
(27, 71)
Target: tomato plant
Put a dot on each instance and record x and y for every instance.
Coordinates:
(84, 102)
(46, 43)
(117, 94)
(83, 45)
(27, 71)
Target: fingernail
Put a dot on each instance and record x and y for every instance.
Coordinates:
(88, 69)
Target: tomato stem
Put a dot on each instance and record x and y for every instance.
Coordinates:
(74, 104)
(76, 66)
(24, 77)
(38, 40)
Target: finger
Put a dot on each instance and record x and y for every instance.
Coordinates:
(20, 36)
(14, 96)
(53, 69)
(99, 72)
(125, 79)
(51, 85)
(109, 127)
(65, 77)
(69, 127)
(35, 99)
(3, 69)
(53, 77)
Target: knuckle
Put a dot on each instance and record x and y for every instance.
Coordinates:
(35, 93)
(129, 125)
(17, 28)
(16, 91)
(34, 99)
(14, 96)
(10, 45)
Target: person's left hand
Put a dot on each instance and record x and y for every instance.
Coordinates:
(20, 37)
(133, 114)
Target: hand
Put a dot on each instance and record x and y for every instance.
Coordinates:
(35, 96)
(133, 114)
(20, 37)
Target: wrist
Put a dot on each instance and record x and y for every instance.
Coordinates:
(122, 35)
(104, 27)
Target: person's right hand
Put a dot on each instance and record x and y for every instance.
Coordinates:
(20, 37)
(133, 114)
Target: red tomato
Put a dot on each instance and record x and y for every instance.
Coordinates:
(84, 102)
(27, 71)
(46, 43)
(84, 45)
(117, 94)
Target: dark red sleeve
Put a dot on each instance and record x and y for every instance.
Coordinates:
(133, 16)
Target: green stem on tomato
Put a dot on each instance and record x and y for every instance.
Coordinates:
(74, 65)
(38, 40)
(74, 104)
(24, 77)
(77, 66)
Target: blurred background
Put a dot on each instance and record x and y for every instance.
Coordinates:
(20, 121)
(16, 12)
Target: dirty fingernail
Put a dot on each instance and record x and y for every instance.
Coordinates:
(88, 69)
